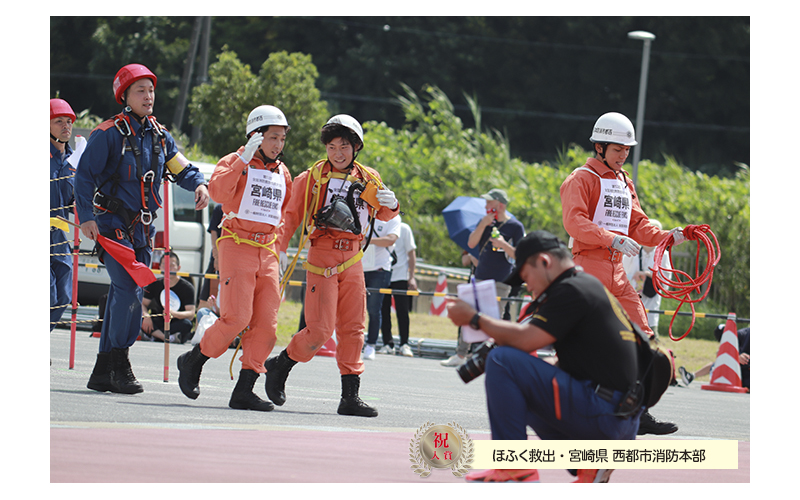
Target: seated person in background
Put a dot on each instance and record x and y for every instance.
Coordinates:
(209, 305)
(181, 305)
(743, 337)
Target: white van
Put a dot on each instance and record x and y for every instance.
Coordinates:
(188, 237)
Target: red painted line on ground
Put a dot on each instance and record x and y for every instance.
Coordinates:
(136, 455)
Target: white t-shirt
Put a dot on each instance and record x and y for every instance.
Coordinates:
(376, 257)
(404, 244)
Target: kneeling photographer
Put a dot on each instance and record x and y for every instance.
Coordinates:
(593, 392)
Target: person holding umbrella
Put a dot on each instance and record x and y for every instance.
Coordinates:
(495, 236)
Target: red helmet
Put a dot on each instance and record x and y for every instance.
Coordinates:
(129, 74)
(59, 107)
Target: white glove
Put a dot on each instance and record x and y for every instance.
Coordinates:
(252, 146)
(677, 235)
(387, 198)
(284, 262)
(625, 245)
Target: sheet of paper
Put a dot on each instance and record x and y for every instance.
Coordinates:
(483, 297)
(80, 146)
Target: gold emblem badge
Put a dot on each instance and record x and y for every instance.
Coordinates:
(441, 447)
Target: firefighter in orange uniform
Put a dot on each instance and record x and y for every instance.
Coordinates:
(254, 187)
(333, 202)
(602, 214)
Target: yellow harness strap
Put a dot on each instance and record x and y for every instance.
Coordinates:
(306, 226)
(332, 271)
(238, 240)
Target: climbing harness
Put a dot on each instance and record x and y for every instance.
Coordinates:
(682, 290)
(108, 203)
(308, 226)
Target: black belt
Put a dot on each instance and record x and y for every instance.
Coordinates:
(604, 393)
(105, 203)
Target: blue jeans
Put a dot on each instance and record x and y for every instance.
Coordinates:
(376, 279)
(520, 392)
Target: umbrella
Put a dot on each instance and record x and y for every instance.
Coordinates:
(462, 217)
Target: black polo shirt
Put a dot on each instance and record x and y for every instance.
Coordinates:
(594, 337)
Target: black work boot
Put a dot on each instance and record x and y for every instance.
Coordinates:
(649, 425)
(243, 397)
(278, 368)
(100, 379)
(351, 404)
(121, 374)
(190, 364)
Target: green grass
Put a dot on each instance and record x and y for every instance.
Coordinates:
(691, 353)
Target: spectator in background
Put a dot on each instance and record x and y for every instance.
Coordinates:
(181, 305)
(496, 235)
(377, 262)
(403, 268)
(62, 180)
(210, 285)
(743, 337)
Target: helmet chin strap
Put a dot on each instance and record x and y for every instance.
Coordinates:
(352, 163)
(58, 140)
(267, 160)
(602, 154)
(138, 118)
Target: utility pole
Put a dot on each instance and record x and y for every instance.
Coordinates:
(177, 121)
(202, 76)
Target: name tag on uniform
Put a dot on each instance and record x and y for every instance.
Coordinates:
(263, 197)
(613, 211)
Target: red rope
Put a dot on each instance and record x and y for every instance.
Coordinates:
(681, 290)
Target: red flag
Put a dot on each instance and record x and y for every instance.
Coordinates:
(126, 257)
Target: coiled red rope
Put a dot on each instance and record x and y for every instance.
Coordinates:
(681, 290)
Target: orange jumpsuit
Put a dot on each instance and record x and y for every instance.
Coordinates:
(339, 301)
(249, 268)
(580, 194)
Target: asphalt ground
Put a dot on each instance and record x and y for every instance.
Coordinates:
(160, 436)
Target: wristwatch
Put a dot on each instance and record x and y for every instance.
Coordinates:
(475, 320)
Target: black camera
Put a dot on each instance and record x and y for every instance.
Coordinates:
(476, 364)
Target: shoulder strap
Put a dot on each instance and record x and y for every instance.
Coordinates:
(588, 170)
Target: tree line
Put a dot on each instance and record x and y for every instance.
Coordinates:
(433, 153)
(540, 80)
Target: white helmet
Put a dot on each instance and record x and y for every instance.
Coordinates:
(614, 128)
(264, 116)
(349, 122)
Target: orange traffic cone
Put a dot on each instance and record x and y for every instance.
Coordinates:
(727, 375)
(329, 349)
(438, 302)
